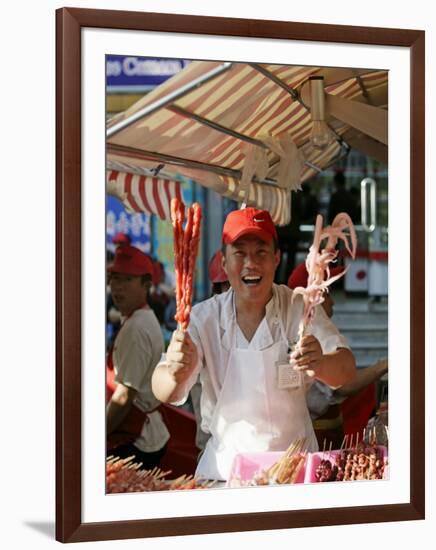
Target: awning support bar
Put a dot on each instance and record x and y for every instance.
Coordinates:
(153, 156)
(293, 93)
(363, 89)
(216, 126)
(227, 131)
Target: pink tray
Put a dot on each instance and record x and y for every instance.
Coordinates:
(245, 465)
(314, 459)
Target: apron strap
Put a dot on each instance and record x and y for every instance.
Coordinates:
(276, 314)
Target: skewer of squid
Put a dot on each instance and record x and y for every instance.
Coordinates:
(318, 260)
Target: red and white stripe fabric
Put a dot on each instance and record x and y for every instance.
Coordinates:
(143, 193)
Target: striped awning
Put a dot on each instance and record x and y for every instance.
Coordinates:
(243, 129)
(143, 193)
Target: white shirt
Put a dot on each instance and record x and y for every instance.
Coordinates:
(137, 350)
(210, 326)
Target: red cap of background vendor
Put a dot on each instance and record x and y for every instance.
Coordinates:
(131, 261)
(121, 238)
(299, 276)
(248, 221)
(216, 270)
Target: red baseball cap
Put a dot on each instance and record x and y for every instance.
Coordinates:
(121, 238)
(131, 261)
(299, 275)
(216, 271)
(248, 221)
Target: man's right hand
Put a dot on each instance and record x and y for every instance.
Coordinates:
(181, 356)
(169, 377)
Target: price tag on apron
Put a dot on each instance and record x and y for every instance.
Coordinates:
(288, 378)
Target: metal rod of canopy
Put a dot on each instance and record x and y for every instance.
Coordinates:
(363, 89)
(291, 91)
(343, 152)
(167, 99)
(227, 131)
(313, 166)
(216, 126)
(153, 156)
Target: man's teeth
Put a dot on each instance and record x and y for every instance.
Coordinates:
(251, 279)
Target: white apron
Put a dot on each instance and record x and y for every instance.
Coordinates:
(251, 413)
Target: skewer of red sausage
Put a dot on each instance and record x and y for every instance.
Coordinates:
(186, 242)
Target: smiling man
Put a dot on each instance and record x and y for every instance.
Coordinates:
(252, 399)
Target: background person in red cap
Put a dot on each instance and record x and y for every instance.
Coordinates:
(217, 275)
(322, 400)
(113, 316)
(121, 239)
(134, 425)
(252, 399)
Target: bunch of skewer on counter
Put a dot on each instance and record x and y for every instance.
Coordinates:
(365, 460)
(286, 470)
(123, 475)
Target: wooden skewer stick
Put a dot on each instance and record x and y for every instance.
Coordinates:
(292, 448)
(281, 471)
(162, 474)
(125, 461)
(287, 471)
(180, 479)
(134, 466)
(271, 472)
(296, 447)
(302, 443)
(343, 442)
(211, 483)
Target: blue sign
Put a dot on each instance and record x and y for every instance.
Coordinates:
(137, 225)
(132, 73)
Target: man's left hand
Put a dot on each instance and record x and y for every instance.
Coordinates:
(307, 355)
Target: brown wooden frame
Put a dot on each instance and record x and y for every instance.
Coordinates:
(69, 526)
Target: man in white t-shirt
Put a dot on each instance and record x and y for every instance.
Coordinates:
(252, 399)
(134, 425)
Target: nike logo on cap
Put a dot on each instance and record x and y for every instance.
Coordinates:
(258, 220)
